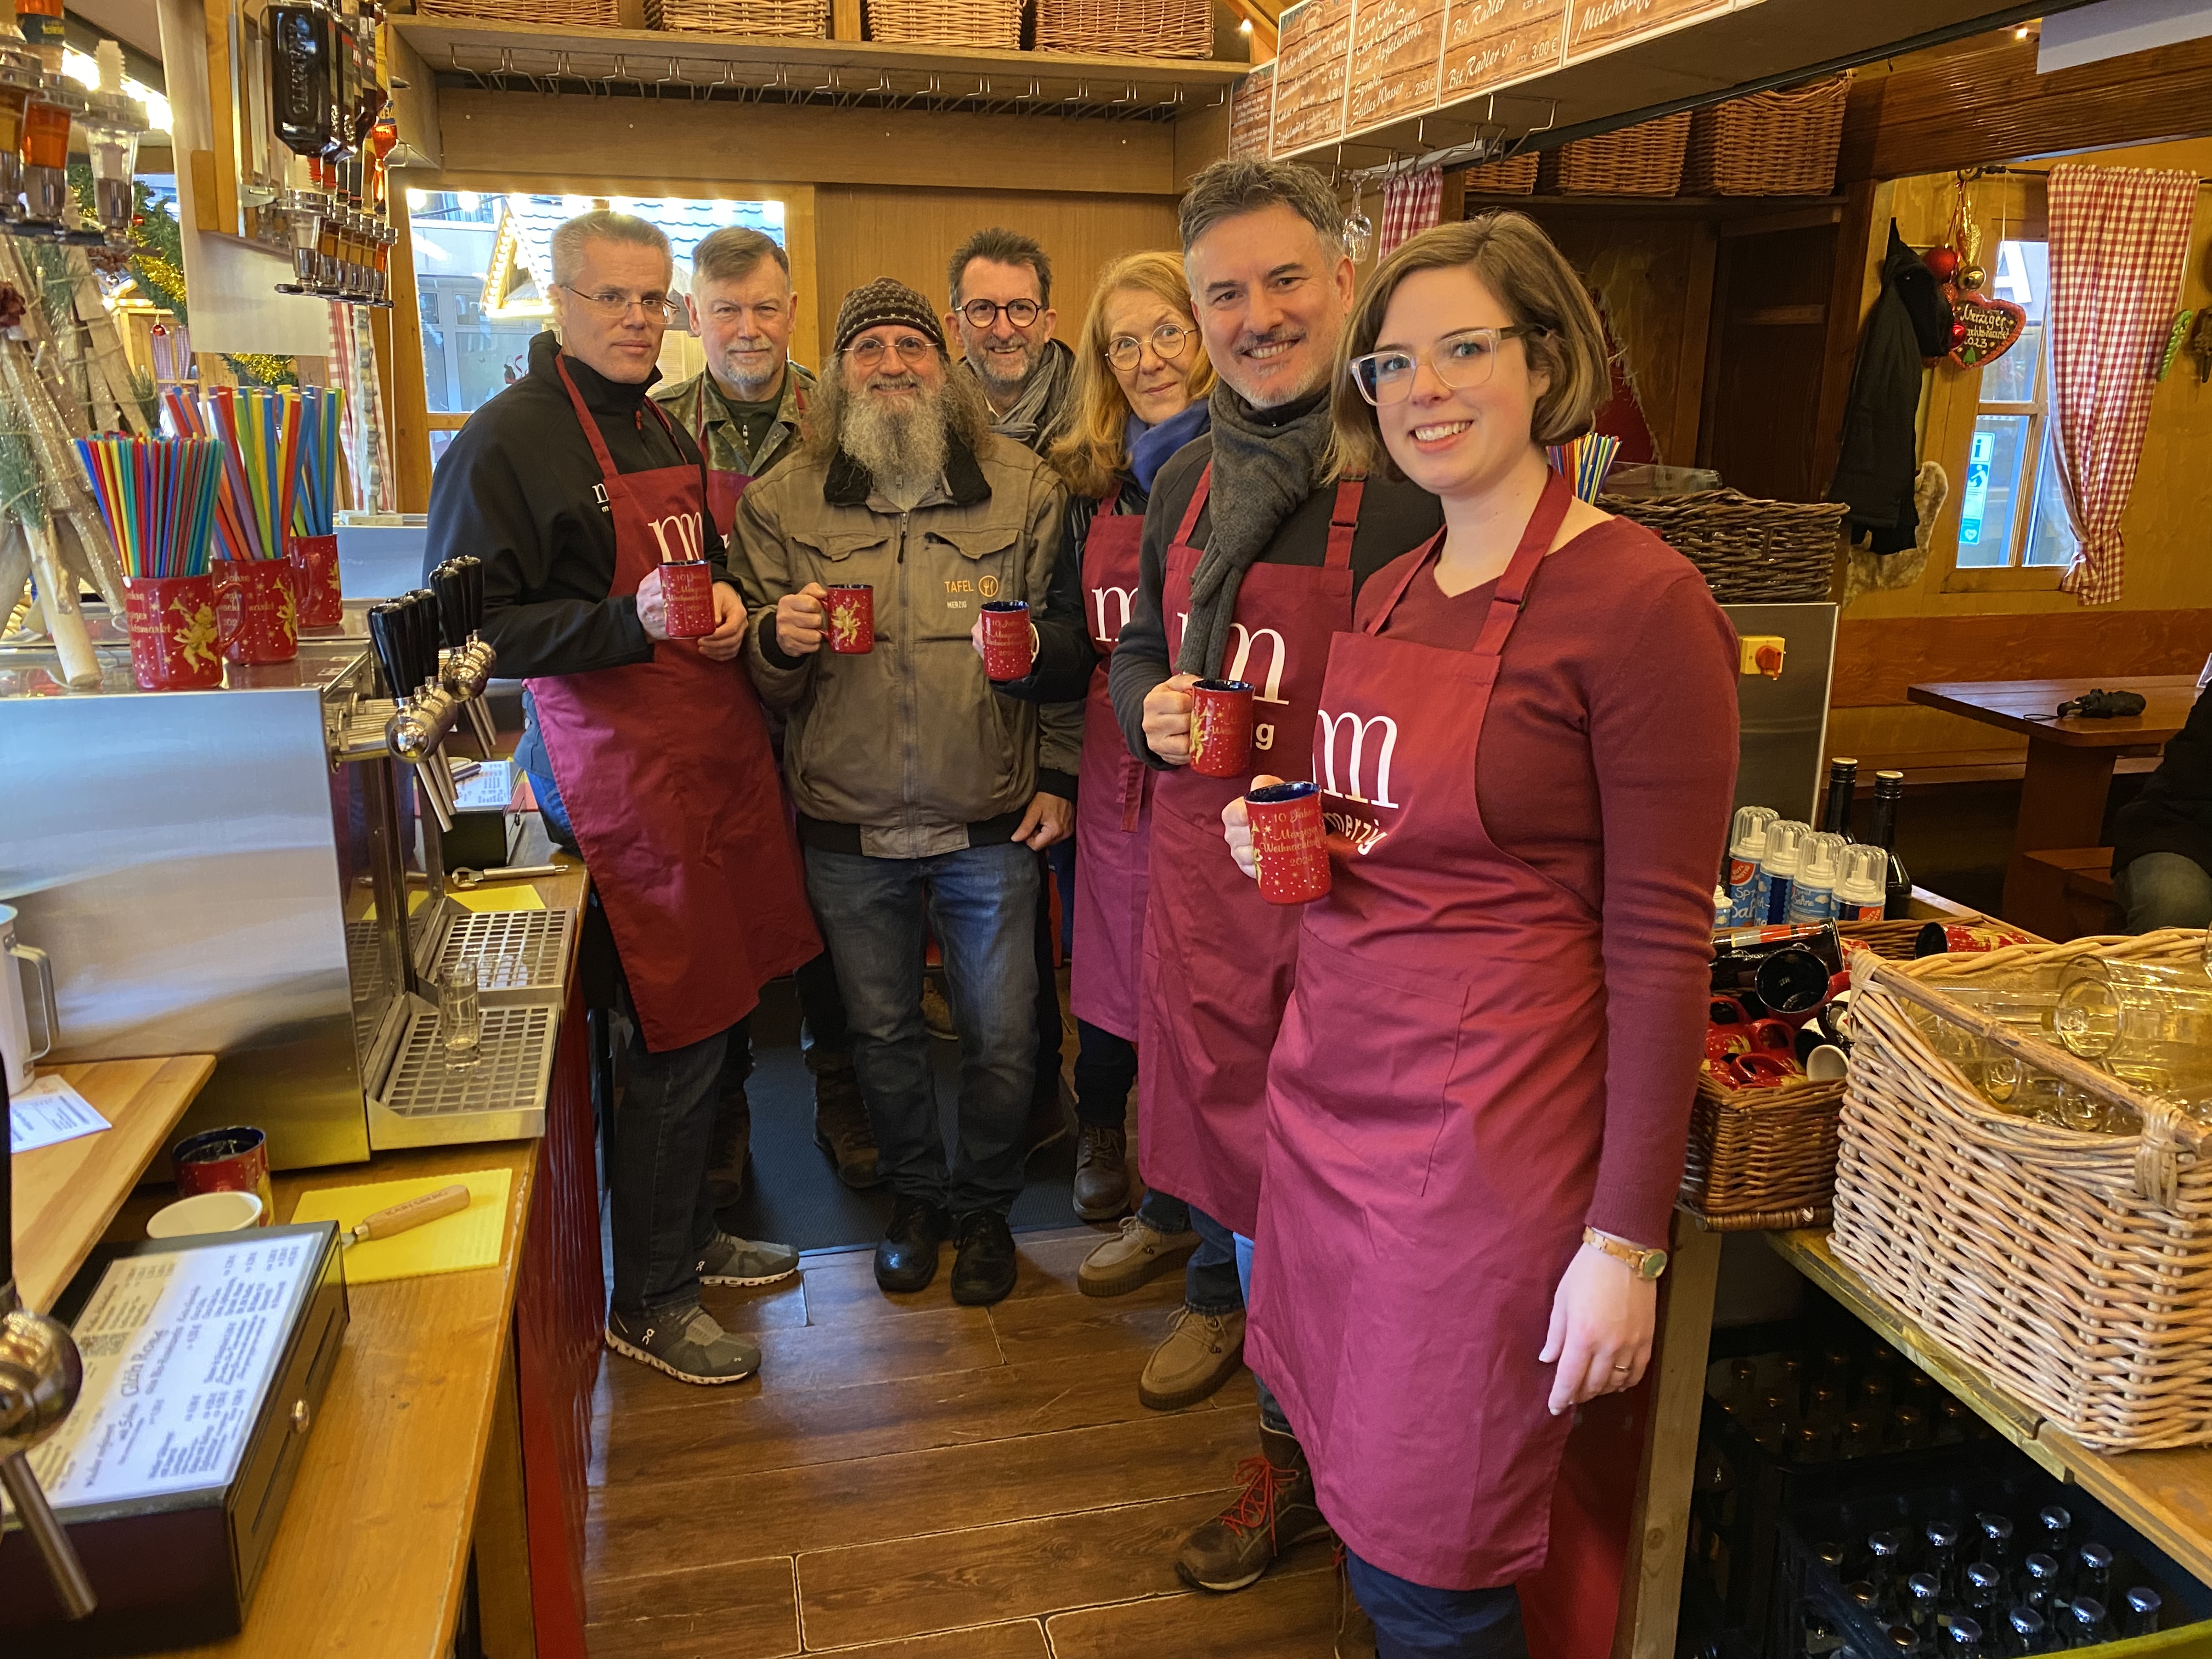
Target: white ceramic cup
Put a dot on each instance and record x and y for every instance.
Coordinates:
(205, 1212)
(1826, 1063)
(16, 1048)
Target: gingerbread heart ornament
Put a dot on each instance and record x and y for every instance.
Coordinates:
(1982, 330)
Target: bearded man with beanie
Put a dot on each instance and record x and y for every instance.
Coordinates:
(923, 795)
(1247, 569)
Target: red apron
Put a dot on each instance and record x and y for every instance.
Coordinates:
(1114, 801)
(1435, 1108)
(665, 771)
(1217, 957)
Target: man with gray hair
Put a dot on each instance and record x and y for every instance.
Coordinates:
(1248, 566)
(647, 750)
(924, 795)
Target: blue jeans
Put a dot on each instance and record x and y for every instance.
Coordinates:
(1414, 1621)
(1210, 1283)
(981, 902)
(2164, 890)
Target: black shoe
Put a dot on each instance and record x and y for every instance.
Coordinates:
(983, 1271)
(906, 1258)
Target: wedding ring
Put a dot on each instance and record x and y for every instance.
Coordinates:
(1621, 1368)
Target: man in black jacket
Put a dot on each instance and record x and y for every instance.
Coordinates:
(2162, 852)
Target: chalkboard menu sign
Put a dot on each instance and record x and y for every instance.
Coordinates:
(1313, 53)
(1251, 112)
(1395, 47)
(1490, 43)
(1594, 25)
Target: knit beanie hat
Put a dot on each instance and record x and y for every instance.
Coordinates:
(886, 300)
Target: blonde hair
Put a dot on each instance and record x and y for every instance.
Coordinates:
(1095, 450)
(1517, 262)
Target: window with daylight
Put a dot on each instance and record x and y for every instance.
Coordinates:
(2012, 512)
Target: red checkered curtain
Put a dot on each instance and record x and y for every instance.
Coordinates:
(1411, 203)
(2118, 238)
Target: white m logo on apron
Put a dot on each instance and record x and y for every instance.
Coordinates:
(1355, 781)
(682, 528)
(1110, 612)
(1241, 658)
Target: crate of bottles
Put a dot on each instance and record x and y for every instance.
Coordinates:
(2021, 1173)
(2003, 1564)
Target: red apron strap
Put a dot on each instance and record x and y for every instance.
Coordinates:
(1197, 506)
(608, 476)
(1343, 520)
(1535, 542)
(1413, 568)
(1109, 505)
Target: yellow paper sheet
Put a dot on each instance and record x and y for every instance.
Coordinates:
(509, 895)
(452, 1243)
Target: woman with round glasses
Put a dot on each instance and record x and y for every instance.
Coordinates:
(1141, 380)
(1478, 1104)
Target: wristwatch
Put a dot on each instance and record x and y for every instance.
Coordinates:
(1647, 1264)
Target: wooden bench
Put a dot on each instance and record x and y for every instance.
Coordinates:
(2080, 878)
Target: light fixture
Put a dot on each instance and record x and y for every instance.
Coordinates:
(1244, 28)
(2021, 33)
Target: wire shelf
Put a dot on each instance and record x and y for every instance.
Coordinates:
(512, 1072)
(526, 950)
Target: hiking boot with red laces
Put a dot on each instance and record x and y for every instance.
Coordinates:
(1276, 1510)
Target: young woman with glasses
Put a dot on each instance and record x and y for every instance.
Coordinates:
(1478, 1101)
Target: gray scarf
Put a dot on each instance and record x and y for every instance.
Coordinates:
(1262, 475)
(1040, 413)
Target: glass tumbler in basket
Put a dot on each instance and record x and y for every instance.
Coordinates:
(2147, 1023)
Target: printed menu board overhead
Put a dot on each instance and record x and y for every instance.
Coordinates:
(1251, 111)
(1396, 48)
(1312, 56)
(1490, 43)
(1595, 25)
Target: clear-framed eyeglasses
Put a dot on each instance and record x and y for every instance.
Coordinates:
(912, 349)
(1168, 342)
(983, 313)
(1462, 361)
(613, 304)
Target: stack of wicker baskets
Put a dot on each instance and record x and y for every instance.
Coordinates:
(789, 19)
(1768, 143)
(546, 13)
(1750, 551)
(1132, 28)
(1512, 175)
(947, 22)
(1645, 160)
(2073, 1269)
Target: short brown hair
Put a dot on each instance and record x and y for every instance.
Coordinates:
(1536, 285)
(730, 254)
(1228, 188)
(1095, 450)
(1001, 248)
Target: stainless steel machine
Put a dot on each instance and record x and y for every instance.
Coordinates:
(1783, 753)
(257, 873)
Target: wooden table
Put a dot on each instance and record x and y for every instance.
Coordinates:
(2069, 765)
(67, 1194)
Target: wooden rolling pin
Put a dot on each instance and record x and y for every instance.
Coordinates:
(447, 1201)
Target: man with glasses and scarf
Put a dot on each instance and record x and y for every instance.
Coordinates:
(923, 795)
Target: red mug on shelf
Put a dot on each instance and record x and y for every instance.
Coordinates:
(257, 610)
(1221, 728)
(233, 1160)
(175, 644)
(687, 589)
(1290, 848)
(849, 614)
(1009, 653)
(314, 561)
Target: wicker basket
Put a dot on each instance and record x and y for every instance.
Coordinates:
(1645, 160)
(2075, 1270)
(548, 13)
(1750, 551)
(1126, 28)
(1762, 1158)
(790, 20)
(1768, 143)
(1514, 175)
(947, 22)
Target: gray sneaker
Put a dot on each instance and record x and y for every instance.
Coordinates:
(734, 1260)
(686, 1342)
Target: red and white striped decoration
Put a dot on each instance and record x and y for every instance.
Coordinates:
(2118, 238)
(1411, 203)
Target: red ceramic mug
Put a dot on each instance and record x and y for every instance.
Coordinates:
(1939, 939)
(687, 589)
(1009, 653)
(175, 645)
(849, 610)
(1289, 848)
(257, 610)
(1221, 728)
(234, 1160)
(314, 561)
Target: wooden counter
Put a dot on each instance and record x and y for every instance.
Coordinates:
(67, 1194)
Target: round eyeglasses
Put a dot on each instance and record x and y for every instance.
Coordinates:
(1462, 361)
(613, 303)
(983, 313)
(1168, 342)
(912, 349)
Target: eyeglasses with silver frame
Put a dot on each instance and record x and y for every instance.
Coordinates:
(1462, 361)
(912, 349)
(1167, 341)
(613, 303)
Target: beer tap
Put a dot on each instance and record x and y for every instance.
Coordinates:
(467, 667)
(41, 1376)
(404, 640)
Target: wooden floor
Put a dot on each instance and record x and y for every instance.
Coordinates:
(912, 1479)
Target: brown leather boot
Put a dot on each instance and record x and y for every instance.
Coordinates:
(1102, 1172)
(840, 1129)
(1355, 1631)
(1276, 1510)
(731, 1148)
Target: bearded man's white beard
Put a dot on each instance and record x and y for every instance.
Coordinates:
(901, 440)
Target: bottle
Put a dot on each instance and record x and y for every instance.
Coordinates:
(2029, 1632)
(1924, 1593)
(1861, 1436)
(1904, 1641)
(1908, 1428)
(1777, 866)
(1743, 1395)
(1997, 1538)
(1815, 1442)
(2055, 1526)
(1985, 1588)
(1863, 1598)
(1813, 894)
(1881, 831)
(2086, 1623)
(1836, 812)
(1943, 1539)
(1883, 1572)
(2092, 1573)
(1722, 908)
(1953, 1422)
(2141, 1604)
(1830, 1554)
(1825, 1406)
(1747, 843)
(2038, 1582)
(1965, 1638)
(1874, 1393)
